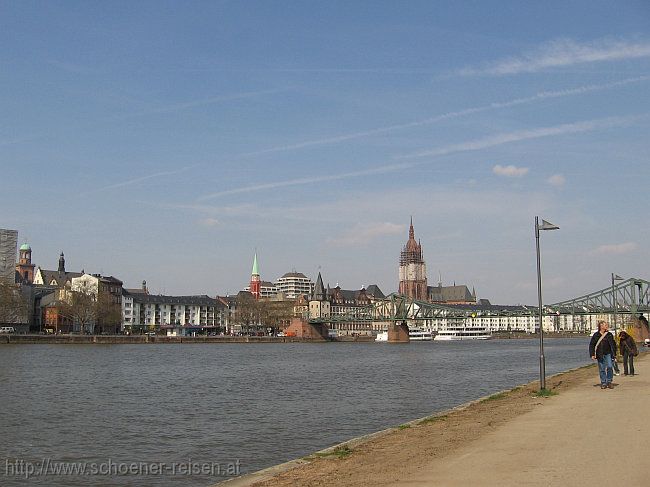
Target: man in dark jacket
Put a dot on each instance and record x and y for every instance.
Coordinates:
(602, 348)
(629, 351)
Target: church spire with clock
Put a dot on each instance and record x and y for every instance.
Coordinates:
(412, 269)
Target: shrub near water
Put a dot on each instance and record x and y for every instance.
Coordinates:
(496, 397)
(545, 393)
(338, 452)
(342, 451)
(433, 419)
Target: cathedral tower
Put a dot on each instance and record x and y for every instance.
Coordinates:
(412, 269)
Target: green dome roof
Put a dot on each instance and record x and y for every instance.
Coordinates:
(25, 246)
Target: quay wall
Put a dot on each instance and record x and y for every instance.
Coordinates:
(547, 334)
(16, 338)
(134, 339)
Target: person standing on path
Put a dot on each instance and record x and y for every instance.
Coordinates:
(629, 351)
(602, 348)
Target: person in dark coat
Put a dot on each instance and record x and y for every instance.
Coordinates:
(602, 348)
(629, 351)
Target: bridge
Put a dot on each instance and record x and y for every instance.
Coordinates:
(629, 297)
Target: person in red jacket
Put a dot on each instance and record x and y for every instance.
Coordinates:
(602, 348)
(629, 351)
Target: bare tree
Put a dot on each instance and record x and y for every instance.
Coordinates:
(108, 312)
(247, 312)
(254, 315)
(277, 314)
(80, 307)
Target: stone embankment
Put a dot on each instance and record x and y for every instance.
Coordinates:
(126, 339)
(552, 334)
(133, 339)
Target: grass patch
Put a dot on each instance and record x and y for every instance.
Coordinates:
(496, 397)
(433, 419)
(545, 393)
(342, 451)
(338, 452)
(403, 426)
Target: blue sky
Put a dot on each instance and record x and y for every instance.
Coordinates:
(167, 141)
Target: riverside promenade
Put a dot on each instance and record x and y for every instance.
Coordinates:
(582, 436)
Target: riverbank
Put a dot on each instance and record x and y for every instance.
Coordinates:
(514, 437)
(553, 334)
(31, 339)
(140, 339)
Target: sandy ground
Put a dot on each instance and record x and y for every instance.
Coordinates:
(516, 438)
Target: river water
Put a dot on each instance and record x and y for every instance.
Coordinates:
(253, 405)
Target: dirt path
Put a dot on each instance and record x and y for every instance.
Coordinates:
(515, 438)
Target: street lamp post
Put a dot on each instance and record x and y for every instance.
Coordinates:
(542, 363)
(615, 277)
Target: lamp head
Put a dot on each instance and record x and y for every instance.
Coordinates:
(548, 226)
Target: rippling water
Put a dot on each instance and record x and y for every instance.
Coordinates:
(260, 404)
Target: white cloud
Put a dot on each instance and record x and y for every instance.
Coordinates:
(509, 171)
(616, 249)
(564, 52)
(556, 180)
(363, 234)
(209, 222)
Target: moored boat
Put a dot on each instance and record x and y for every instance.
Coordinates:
(382, 336)
(420, 334)
(415, 334)
(463, 333)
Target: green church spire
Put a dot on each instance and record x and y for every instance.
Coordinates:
(255, 271)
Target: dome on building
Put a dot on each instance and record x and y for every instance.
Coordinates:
(25, 246)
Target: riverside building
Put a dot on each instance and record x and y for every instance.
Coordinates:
(58, 278)
(294, 284)
(336, 303)
(8, 245)
(174, 315)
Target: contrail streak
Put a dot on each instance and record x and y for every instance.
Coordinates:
(450, 115)
(472, 145)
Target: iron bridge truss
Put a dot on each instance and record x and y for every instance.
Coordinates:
(628, 297)
(631, 296)
(398, 308)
